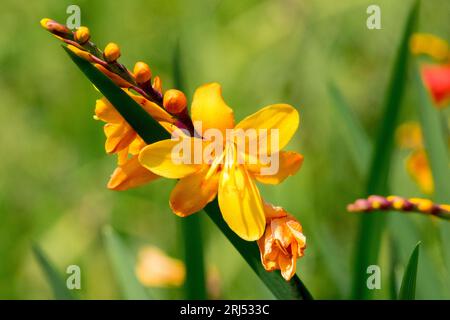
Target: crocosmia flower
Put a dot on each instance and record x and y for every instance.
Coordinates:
(283, 242)
(231, 171)
(122, 140)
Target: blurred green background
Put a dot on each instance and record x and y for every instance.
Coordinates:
(53, 168)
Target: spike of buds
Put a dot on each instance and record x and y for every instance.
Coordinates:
(111, 52)
(425, 206)
(174, 101)
(142, 72)
(82, 35)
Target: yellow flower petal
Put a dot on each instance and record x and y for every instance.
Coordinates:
(239, 199)
(118, 136)
(287, 265)
(209, 108)
(157, 157)
(289, 163)
(193, 193)
(129, 175)
(278, 116)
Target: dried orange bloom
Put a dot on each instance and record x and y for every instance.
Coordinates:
(426, 206)
(155, 269)
(282, 243)
(233, 181)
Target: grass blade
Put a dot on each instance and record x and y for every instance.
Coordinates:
(249, 250)
(357, 138)
(191, 229)
(58, 285)
(123, 265)
(371, 227)
(408, 287)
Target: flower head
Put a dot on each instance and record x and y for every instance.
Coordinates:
(282, 243)
(223, 166)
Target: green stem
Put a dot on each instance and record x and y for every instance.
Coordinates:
(191, 232)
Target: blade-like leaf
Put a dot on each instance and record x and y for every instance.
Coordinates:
(191, 229)
(123, 265)
(408, 287)
(371, 227)
(356, 137)
(58, 285)
(293, 289)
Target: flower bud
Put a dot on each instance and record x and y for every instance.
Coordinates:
(112, 52)
(157, 85)
(174, 101)
(55, 28)
(142, 72)
(82, 35)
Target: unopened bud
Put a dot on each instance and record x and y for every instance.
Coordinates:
(174, 101)
(82, 35)
(55, 28)
(142, 72)
(157, 85)
(112, 52)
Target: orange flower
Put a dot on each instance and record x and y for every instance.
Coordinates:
(437, 80)
(155, 269)
(409, 136)
(282, 243)
(122, 140)
(419, 169)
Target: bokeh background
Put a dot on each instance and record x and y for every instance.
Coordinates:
(53, 168)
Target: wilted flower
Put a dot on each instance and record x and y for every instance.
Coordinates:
(282, 243)
(156, 269)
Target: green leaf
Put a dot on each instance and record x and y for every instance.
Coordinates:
(356, 137)
(293, 289)
(408, 287)
(372, 225)
(58, 285)
(191, 229)
(123, 263)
